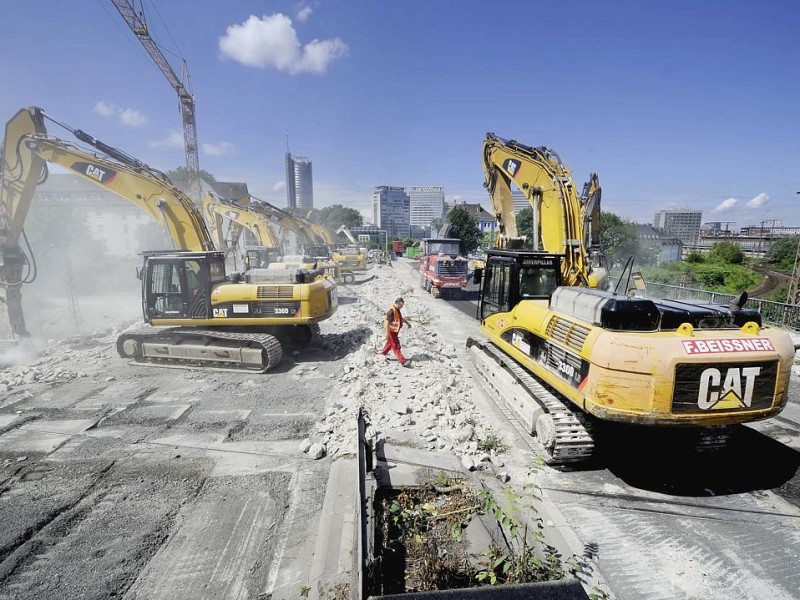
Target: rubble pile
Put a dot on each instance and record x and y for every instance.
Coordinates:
(427, 406)
(43, 371)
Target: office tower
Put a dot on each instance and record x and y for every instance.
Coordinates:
(391, 210)
(520, 200)
(291, 194)
(426, 204)
(299, 182)
(681, 223)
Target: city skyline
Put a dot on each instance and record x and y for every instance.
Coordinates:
(681, 105)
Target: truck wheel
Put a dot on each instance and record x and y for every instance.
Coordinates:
(435, 291)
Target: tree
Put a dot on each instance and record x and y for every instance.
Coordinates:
(489, 239)
(619, 238)
(179, 174)
(726, 252)
(436, 226)
(525, 225)
(336, 215)
(782, 252)
(464, 227)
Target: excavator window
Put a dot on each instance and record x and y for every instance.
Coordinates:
(536, 283)
(497, 287)
(178, 288)
(165, 295)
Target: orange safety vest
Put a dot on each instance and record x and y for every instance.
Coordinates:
(395, 324)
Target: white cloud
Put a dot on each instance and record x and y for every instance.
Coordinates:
(725, 205)
(757, 201)
(173, 140)
(304, 14)
(279, 186)
(132, 117)
(220, 149)
(272, 41)
(127, 116)
(104, 108)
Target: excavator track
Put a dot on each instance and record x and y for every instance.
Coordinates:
(210, 349)
(564, 432)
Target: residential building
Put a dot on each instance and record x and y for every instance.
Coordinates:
(391, 210)
(485, 220)
(299, 182)
(682, 223)
(426, 204)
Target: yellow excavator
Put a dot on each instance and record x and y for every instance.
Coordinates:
(259, 219)
(238, 215)
(197, 314)
(350, 257)
(566, 354)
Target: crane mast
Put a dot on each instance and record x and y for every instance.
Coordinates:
(139, 27)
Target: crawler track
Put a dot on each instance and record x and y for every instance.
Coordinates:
(564, 433)
(189, 347)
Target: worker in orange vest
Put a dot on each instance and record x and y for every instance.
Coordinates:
(392, 322)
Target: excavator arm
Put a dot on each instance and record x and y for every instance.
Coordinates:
(286, 221)
(216, 209)
(343, 229)
(27, 148)
(564, 222)
(323, 233)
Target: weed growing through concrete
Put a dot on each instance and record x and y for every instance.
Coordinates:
(492, 443)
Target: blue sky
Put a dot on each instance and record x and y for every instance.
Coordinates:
(674, 104)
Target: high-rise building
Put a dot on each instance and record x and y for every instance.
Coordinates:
(391, 210)
(426, 204)
(681, 223)
(520, 200)
(291, 194)
(299, 182)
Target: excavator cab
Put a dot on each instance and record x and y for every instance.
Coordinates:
(177, 285)
(259, 257)
(510, 277)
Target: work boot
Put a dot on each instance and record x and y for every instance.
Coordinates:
(407, 363)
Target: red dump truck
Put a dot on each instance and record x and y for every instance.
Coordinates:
(398, 248)
(442, 269)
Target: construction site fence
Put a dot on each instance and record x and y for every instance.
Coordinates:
(779, 314)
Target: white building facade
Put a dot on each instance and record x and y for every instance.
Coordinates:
(426, 204)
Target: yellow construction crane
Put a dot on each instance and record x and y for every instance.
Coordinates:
(138, 25)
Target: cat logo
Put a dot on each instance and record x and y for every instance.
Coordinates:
(220, 313)
(99, 173)
(512, 166)
(733, 390)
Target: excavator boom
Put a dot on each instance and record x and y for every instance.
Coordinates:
(187, 288)
(564, 220)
